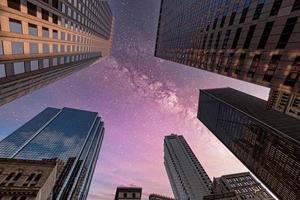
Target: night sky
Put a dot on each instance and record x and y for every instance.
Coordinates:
(141, 99)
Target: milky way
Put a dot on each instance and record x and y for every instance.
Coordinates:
(141, 98)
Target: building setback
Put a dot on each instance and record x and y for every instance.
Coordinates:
(133, 193)
(266, 141)
(254, 41)
(27, 179)
(42, 41)
(71, 136)
(236, 187)
(187, 177)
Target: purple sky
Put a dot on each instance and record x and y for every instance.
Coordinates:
(141, 99)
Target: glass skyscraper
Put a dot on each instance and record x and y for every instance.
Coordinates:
(71, 136)
(266, 141)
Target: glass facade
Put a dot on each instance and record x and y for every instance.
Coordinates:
(266, 141)
(70, 135)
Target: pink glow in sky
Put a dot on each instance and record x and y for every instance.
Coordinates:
(141, 99)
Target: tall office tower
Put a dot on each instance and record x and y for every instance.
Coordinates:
(254, 41)
(159, 197)
(241, 186)
(27, 179)
(42, 41)
(71, 136)
(188, 179)
(133, 193)
(266, 141)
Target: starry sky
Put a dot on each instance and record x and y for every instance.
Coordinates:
(141, 99)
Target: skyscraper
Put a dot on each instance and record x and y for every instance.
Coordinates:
(42, 41)
(187, 177)
(254, 41)
(71, 136)
(266, 141)
(238, 186)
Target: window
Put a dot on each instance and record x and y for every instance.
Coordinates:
(55, 48)
(33, 47)
(45, 48)
(54, 61)
(227, 35)
(32, 29)
(265, 35)
(15, 26)
(286, 33)
(254, 65)
(236, 38)
(55, 3)
(55, 34)
(45, 32)
(17, 47)
(223, 18)
(233, 14)
(1, 48)
(62, 60)
(2, 71)
(204, 41)
(62, 48)
(31, 9)
(38, 177)
(275, 8)
(16, 178)
(220, 61)
(259, 7)
(272, 68)
(69, 37)
(228, 66)
(249, 36)
(19, 67)
(62, 36)
(45, 63)
(34, 65)
(63, 22)
(15, 4)
(293, 76)
(45, 15)
(54, 19)
(210, 40)
(215, 23)
(241, 63)
(296, 5)
(245, 11)
(218, 39)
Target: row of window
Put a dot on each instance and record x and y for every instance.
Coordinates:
(13, 177)
(290, 80)
(281, 44)
(16, 27)
(15, 198)
(258, 10)
(18, 48)
(19, 67)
